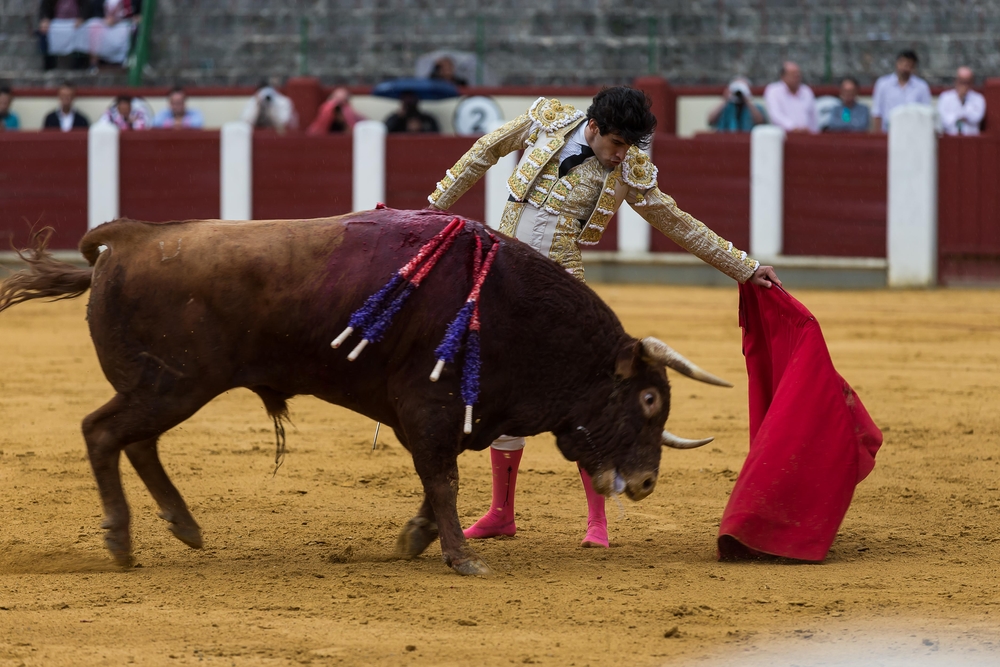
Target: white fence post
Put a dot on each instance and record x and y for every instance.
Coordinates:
(911, 237)
(102, 174)
(368, 177)
(767, 191)
(634, 233)
(236, 171)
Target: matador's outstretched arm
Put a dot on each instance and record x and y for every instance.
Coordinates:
(662, 212)
(515, 135)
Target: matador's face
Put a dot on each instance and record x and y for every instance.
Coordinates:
(609, 149)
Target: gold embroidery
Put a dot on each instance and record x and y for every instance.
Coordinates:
(638, 170)
(564, 249)
(552, 114)
(539, 156)
(607, 204)
(543, 184)
(511, 216)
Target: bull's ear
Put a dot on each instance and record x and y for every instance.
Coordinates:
(628, 359)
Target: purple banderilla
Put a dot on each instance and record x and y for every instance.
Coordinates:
(375, 316)
(467, 322)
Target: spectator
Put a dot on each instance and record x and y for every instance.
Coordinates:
(893, 90)
(269, 108)
(737, 112)
(109, 38)
(962, 109)
(791, 104)
(8, 119)
(444, 70)
(177, 115)
(125, 115)
(409, 118)
(66, 117)
(849, 115)
(58, 21)
(336, 114)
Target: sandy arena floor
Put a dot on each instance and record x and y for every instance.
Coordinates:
(297, 568)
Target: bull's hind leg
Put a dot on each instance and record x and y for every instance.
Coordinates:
(146, 461)
(124, 420)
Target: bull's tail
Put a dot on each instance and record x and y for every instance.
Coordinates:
(45, 276)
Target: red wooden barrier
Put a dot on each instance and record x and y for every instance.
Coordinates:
(297, 176)
(43, 181)
(835, 195)
(709, 177)
(415, 163)
(169, 175)
(969, 209)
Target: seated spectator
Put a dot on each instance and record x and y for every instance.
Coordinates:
(125, 115)
(335, 115)
(409, 118)
(791, 104)
(849, 115)
(962, 109)
(444, 70)
(901, 87)
(270, 109)
(8, 119)
(177, 115)
(58, 21)
(66, 117)
(737, 112)
(109, 38)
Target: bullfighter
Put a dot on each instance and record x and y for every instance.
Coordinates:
(576, 171)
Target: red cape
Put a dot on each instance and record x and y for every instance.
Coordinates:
(811, 439)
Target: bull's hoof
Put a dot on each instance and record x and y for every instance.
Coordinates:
(184, 528)
(471, 566)
(416, 536)
(120, 548)
(189, 535)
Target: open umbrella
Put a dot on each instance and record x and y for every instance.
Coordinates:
(425, 89)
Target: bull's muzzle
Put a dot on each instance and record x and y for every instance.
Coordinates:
(636, 485)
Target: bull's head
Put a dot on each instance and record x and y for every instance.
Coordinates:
(618, 441)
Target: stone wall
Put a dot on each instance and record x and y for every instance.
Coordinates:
(540, 42)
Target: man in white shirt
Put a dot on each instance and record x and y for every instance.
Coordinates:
(791, 104)
(962, 109)
(893, 90)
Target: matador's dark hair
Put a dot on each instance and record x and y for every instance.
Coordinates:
(624, 111)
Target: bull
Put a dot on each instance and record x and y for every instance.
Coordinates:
(181, 312)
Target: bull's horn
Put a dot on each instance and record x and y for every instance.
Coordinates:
(656, 350)
(677, 442)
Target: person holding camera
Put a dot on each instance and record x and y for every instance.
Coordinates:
(270, 109)
(737, 112)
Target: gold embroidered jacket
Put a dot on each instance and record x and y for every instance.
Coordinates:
(556, 215)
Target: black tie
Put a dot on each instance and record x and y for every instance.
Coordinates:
(574, 160)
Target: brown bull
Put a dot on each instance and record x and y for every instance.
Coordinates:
(182, 312)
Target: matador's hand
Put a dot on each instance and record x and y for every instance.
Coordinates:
(764, 276)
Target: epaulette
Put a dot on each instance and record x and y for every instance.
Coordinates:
(638, 170)
(552, 114)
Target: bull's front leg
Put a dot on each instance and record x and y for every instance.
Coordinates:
(439, 475)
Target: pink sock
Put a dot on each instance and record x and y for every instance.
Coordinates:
(597, 520)
(499, 520)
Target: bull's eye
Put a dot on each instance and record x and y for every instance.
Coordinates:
(650, 401)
